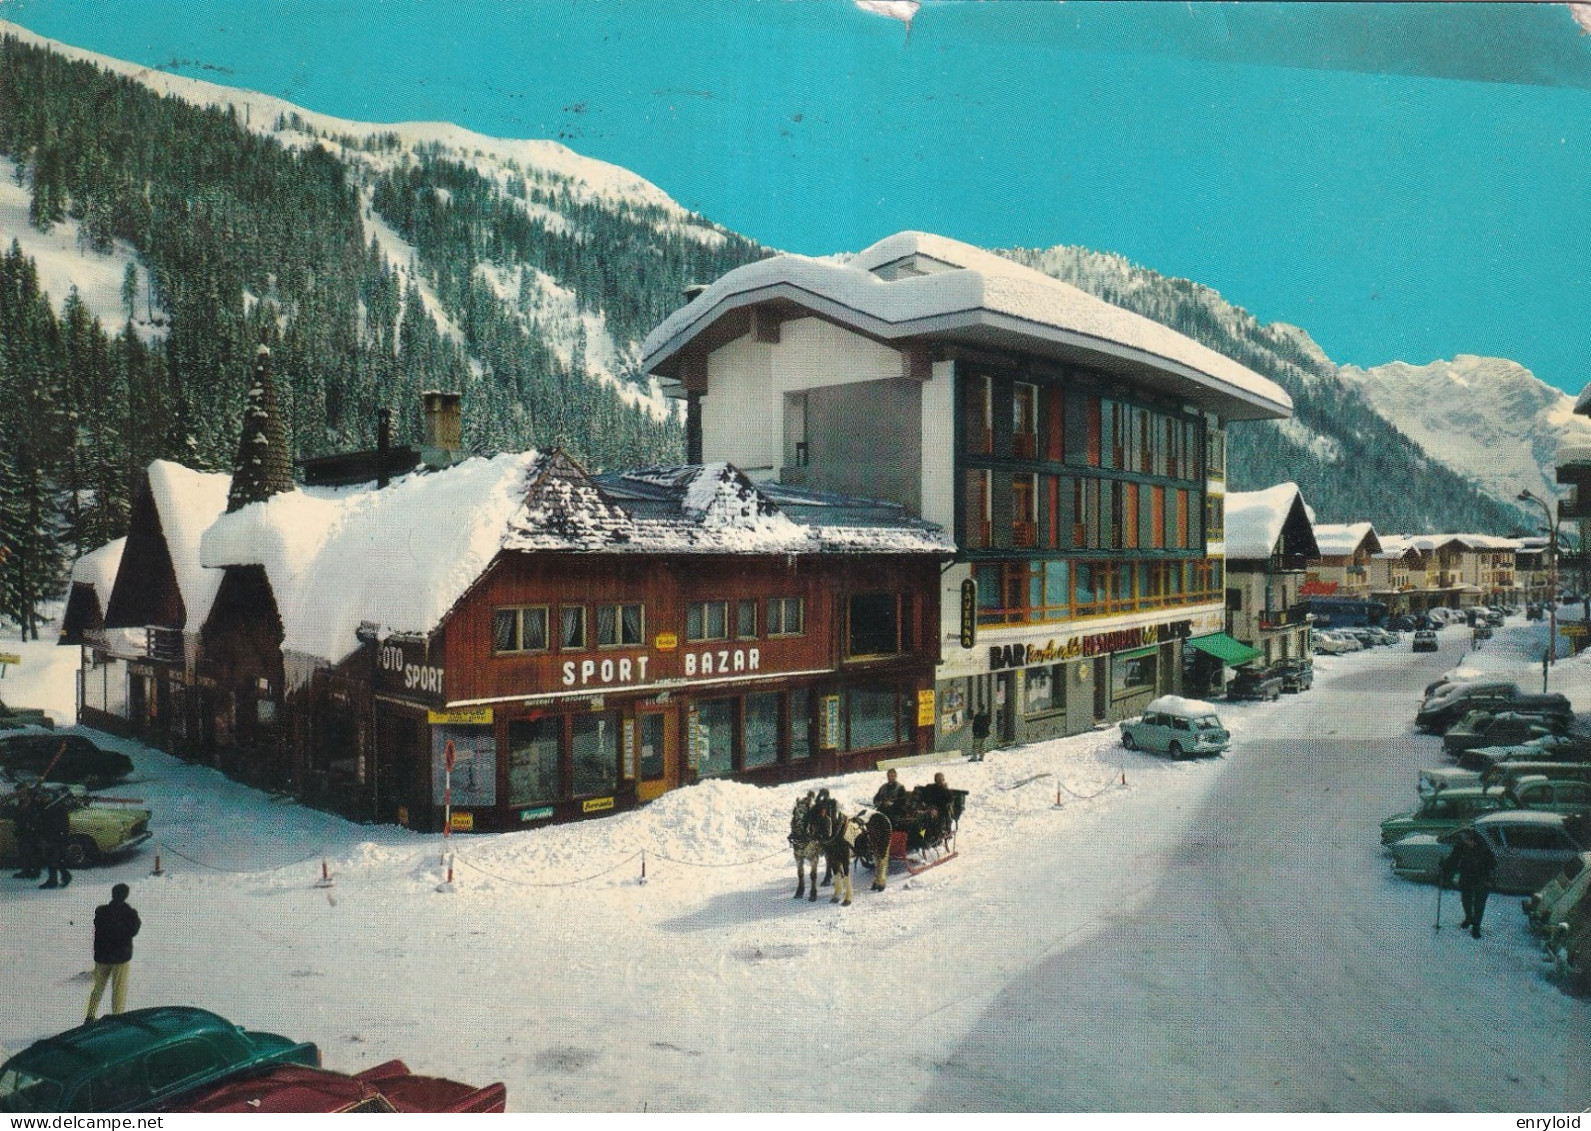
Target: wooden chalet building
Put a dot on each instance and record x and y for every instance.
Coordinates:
(577, 644)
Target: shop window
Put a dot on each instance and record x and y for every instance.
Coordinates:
(595, 745)
(474, 777)
(707, 620)
(1044, 690)
(652, 730)
(800, 724)
(620, 626)
(533, 746)
(786, 616)
(746, 620)
(572, 626)
(1024, 420)
(715, 738)
(520, 629)
(762, 730)
(874, 717)
(1131, 675)
(874, 621)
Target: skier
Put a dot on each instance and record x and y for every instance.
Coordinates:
(1470, 864)
(55, 817)
(27, 826)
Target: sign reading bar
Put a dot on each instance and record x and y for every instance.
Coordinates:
(1098, 644)
(466, 717)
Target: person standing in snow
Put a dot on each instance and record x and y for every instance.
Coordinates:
(980, 733)
(27, 826)
(1470, 865)
(55, 829)
(115, 924)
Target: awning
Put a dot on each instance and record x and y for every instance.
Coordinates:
(1224, 648)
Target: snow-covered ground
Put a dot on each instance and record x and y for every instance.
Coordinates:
(552, 966)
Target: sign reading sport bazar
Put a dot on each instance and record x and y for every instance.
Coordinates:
(1055, 650)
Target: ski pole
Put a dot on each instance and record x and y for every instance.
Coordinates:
(1437, 926)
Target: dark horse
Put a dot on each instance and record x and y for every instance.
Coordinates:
(819, 830)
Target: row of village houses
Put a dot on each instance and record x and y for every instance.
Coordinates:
(922, 484)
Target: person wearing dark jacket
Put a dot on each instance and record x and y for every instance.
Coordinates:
(980, 733)
(55, 829)
(115, 924)
(1470, 864)
(27, 826)
(890, 799)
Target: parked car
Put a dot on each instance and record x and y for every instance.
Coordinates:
(12, 718)
(1530, 848)
(1504, 774)
(386, 1088)
(1448, 705)
(1482, 631)
(1425, 640)
(1495, 618)
(1297, 675)
(139, 1061)
(80, 762)
(1255, 683)
(1558, 895)
(1503, 728)
(1402, 623)
(1537, 791)
(1557, 747)
(1445, 777)
(1176, 726)
(1444, 811)
(95, 830)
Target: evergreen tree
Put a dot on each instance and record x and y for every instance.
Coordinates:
(262, 467)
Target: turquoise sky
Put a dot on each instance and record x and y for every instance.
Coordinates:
(1406, 182)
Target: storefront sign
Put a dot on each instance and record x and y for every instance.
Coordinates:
(665, 642)
(467, 717)
(969, 613)
(403, 668)
(463, 822)
(1078, 647)
(722, 661)
(540, 814)
(596, 804)
(925, 708)
(621, 669)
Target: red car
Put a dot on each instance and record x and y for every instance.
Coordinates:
(388, 1087)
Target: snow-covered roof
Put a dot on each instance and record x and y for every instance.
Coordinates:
(1255, 521)
(188, 502)
(914, 285)
(98, 568)
(1341, 540)
(401, 557)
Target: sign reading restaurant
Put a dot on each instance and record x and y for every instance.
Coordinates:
(1096, 644)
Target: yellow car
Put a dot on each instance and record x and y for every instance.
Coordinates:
(96, 829)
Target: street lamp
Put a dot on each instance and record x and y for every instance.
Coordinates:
(1551, 655)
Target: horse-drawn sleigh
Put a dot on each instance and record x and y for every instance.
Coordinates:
(920, 832)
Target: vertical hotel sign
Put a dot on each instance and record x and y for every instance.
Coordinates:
(969, 613)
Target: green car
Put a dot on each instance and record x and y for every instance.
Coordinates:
(95, 830)
(138, 1061)
(1444, 811)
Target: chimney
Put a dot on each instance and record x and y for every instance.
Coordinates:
(383, 445)
(694, 290)
(444, 443)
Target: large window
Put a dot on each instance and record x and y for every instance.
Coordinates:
(572, 627)
(620, 626)
(596, 737)
(762, 730)
(520, 629)
(1024, 510)
(707, 620)
(715, 738)
(1044, 689)
(876, 718)
(1132, 674)
(746, 619)
(1024, 420)
(877, 624)
(800, 724)
(978, 534)
(1035, 592)
(533, 746)
(785, 616)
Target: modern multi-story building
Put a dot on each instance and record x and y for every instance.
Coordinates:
(1075, 449)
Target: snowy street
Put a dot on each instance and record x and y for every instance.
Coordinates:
(1213, 935)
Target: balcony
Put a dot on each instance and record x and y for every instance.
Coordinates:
(1283, 618)
(163, 644)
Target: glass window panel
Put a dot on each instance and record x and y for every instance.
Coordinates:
(800, 724)
(717, 619)
(533, 761)
(572, 627)
(1057, 588)
(715, 738)
(632, 625)
(1085, 583)
(745, 619)
(596, 752)
(695, 618)
(872, 717)
(533, 630)
(762, 730)
(505, 630)
(607, 624)
(875, 624)
(651, 726)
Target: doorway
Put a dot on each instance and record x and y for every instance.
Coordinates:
(657, 733)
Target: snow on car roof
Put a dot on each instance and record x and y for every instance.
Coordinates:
(1177, 705)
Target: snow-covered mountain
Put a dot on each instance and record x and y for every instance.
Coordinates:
(1486, 417)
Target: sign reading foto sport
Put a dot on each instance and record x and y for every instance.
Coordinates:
(1078, 647)
(403, 669)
